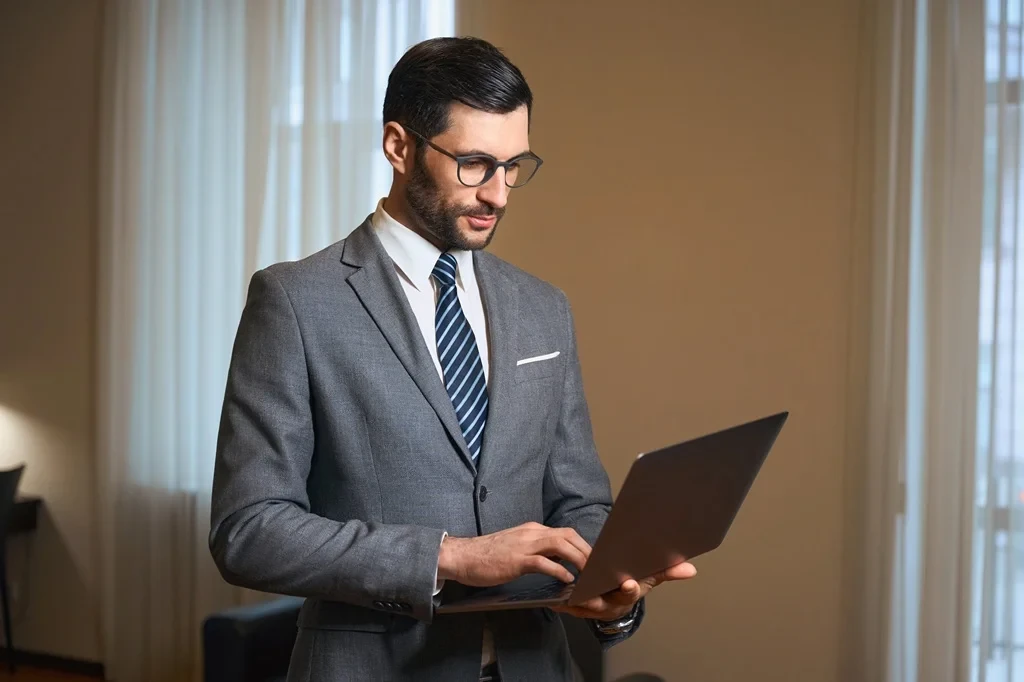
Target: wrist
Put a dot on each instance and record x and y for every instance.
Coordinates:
(618, 625)
(448, 559)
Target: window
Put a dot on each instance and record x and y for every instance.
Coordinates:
(997, 604)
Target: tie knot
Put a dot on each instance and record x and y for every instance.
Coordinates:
(444, 270)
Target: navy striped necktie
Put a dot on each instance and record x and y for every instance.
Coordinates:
(460, 358)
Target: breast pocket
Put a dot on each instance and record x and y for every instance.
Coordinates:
(539, 366)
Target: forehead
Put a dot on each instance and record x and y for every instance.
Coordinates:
(501, 135)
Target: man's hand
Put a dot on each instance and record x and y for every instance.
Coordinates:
(506, 555)
(617, 603)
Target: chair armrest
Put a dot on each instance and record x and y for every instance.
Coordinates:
(250, 643)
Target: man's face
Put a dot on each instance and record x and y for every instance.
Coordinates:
(461, 217)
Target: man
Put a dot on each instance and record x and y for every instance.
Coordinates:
(404, 416)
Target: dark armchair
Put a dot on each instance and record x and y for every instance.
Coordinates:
(250, 643)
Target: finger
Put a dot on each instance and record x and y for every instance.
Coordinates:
(531, 527)
(612, 613)
(574, 553)
(577, 540)
(576, 611)
(558, 546)
(622, 597)
(682, 571)
(614, 599)
(580, 611)
(536, 563)
(595, 604)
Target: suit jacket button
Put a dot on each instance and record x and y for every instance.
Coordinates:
(483, 493)
(378, 604)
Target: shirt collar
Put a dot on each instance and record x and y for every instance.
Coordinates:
(414, 255)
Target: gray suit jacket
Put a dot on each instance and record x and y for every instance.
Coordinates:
(340, 463)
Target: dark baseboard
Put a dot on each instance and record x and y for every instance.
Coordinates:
(62, 664)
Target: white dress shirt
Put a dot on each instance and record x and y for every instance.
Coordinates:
(414, 258)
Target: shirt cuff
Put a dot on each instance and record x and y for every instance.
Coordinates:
(438, 584)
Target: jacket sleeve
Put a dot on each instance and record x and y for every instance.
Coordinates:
(577, 493)
(263, 535)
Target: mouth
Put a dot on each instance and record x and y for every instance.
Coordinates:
(482, 222)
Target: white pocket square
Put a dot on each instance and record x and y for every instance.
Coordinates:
(538, 358)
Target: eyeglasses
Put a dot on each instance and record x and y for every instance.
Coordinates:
(476, 169)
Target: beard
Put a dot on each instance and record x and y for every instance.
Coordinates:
(439, 217)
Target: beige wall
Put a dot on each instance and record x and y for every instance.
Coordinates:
(49, 79)
(696, 206)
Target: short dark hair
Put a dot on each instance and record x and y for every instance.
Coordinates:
(433, 74)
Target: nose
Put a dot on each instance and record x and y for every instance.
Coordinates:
(494, 192)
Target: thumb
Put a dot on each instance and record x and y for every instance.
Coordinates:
(630, 587)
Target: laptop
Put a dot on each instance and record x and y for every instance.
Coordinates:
(676, 504)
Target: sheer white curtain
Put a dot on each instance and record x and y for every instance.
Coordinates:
(235, 134)
(944, 551)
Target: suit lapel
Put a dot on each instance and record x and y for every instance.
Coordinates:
(501, 307)
(378, 288)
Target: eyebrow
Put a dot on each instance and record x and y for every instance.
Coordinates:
(480, 152)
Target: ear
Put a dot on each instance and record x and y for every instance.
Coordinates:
(399, 149)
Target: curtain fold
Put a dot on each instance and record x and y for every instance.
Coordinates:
(235, 134)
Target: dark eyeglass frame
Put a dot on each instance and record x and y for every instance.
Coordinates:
(493, 163)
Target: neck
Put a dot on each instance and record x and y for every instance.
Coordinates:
(399, 209)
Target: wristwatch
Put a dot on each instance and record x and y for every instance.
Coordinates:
(617, 627)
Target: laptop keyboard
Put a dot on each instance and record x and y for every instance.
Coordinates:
(546, 591)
